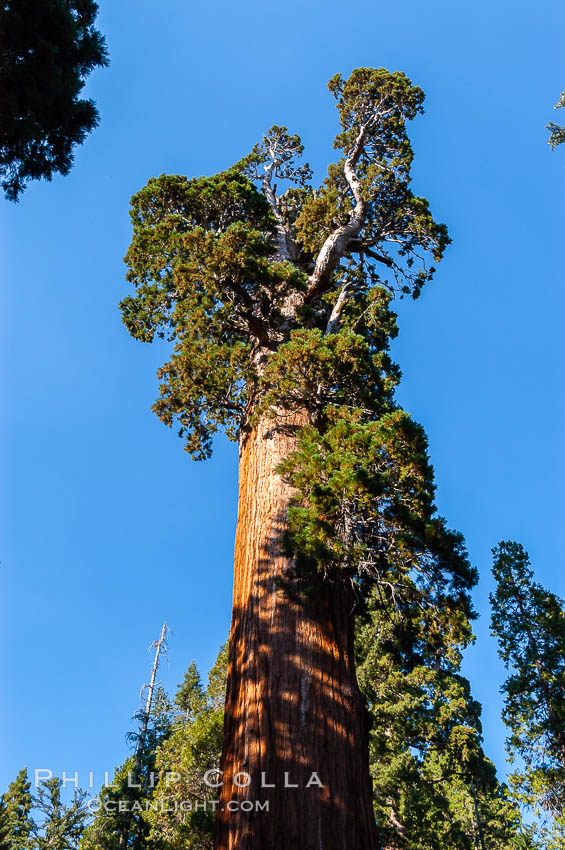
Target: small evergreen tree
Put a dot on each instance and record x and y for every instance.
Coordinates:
(63, 824)
(133, 785)
(18, 804)
(119, 821)
(47, 50)
(184, 814)
(190, 696)
(529, 623)
(434, 788)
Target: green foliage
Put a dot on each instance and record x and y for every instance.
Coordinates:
(159, 725)
(179, 748)
(557, 131)
(529, 623)
(434, 788)
(111, 828)
(133, 785)
(59, 825)
(280, 150)
(313, 371)
(63, 824)
(230, 273)
(180, 818)
(377, 104)
(190, 695)
(47, 50)
(4, 826)
(16, 821)
(364, 509)
(200, 262)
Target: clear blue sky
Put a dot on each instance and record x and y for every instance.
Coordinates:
(108, 526)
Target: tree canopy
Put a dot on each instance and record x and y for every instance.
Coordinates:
(529, 623)
(16, 823)
(278, 306)
(47, 50)
(62, 824)
(434, 787)
(229, 271)
(41, 821)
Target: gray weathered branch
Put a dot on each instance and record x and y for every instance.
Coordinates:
(335, 246)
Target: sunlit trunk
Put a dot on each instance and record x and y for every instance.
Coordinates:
(294, 713)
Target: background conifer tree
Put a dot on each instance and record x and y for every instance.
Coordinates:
(186, 818)
(133, 783)
(62, 824)
(4, 826)
(434, 787)
(529, 623)
(17, 819)
(47, 50)
(190, 696)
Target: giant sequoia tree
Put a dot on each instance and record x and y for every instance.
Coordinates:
(277, 304)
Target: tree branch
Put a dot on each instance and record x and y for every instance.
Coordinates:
(335, 246)
(255, 324)
(358, 247)
(334, 320)
(284, 242)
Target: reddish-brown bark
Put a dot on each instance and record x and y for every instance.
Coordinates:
(293, 704)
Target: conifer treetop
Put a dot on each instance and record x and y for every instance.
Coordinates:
(229, 268)
(529, 623)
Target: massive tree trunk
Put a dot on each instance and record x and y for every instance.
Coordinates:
(293, 705)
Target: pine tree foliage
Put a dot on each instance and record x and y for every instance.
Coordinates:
(529, 623)
(111, 828)
(159, 725)
(47, 50)
(41, 821)
(364, 509)
(182, 818)
(434, 788)
(557, 131)
(190, 696)
(4, 826)
(15, 816)
(116, 827)
(62, 824)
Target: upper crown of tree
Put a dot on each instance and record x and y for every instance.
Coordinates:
(230, 270)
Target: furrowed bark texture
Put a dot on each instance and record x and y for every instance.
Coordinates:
(293, 704)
